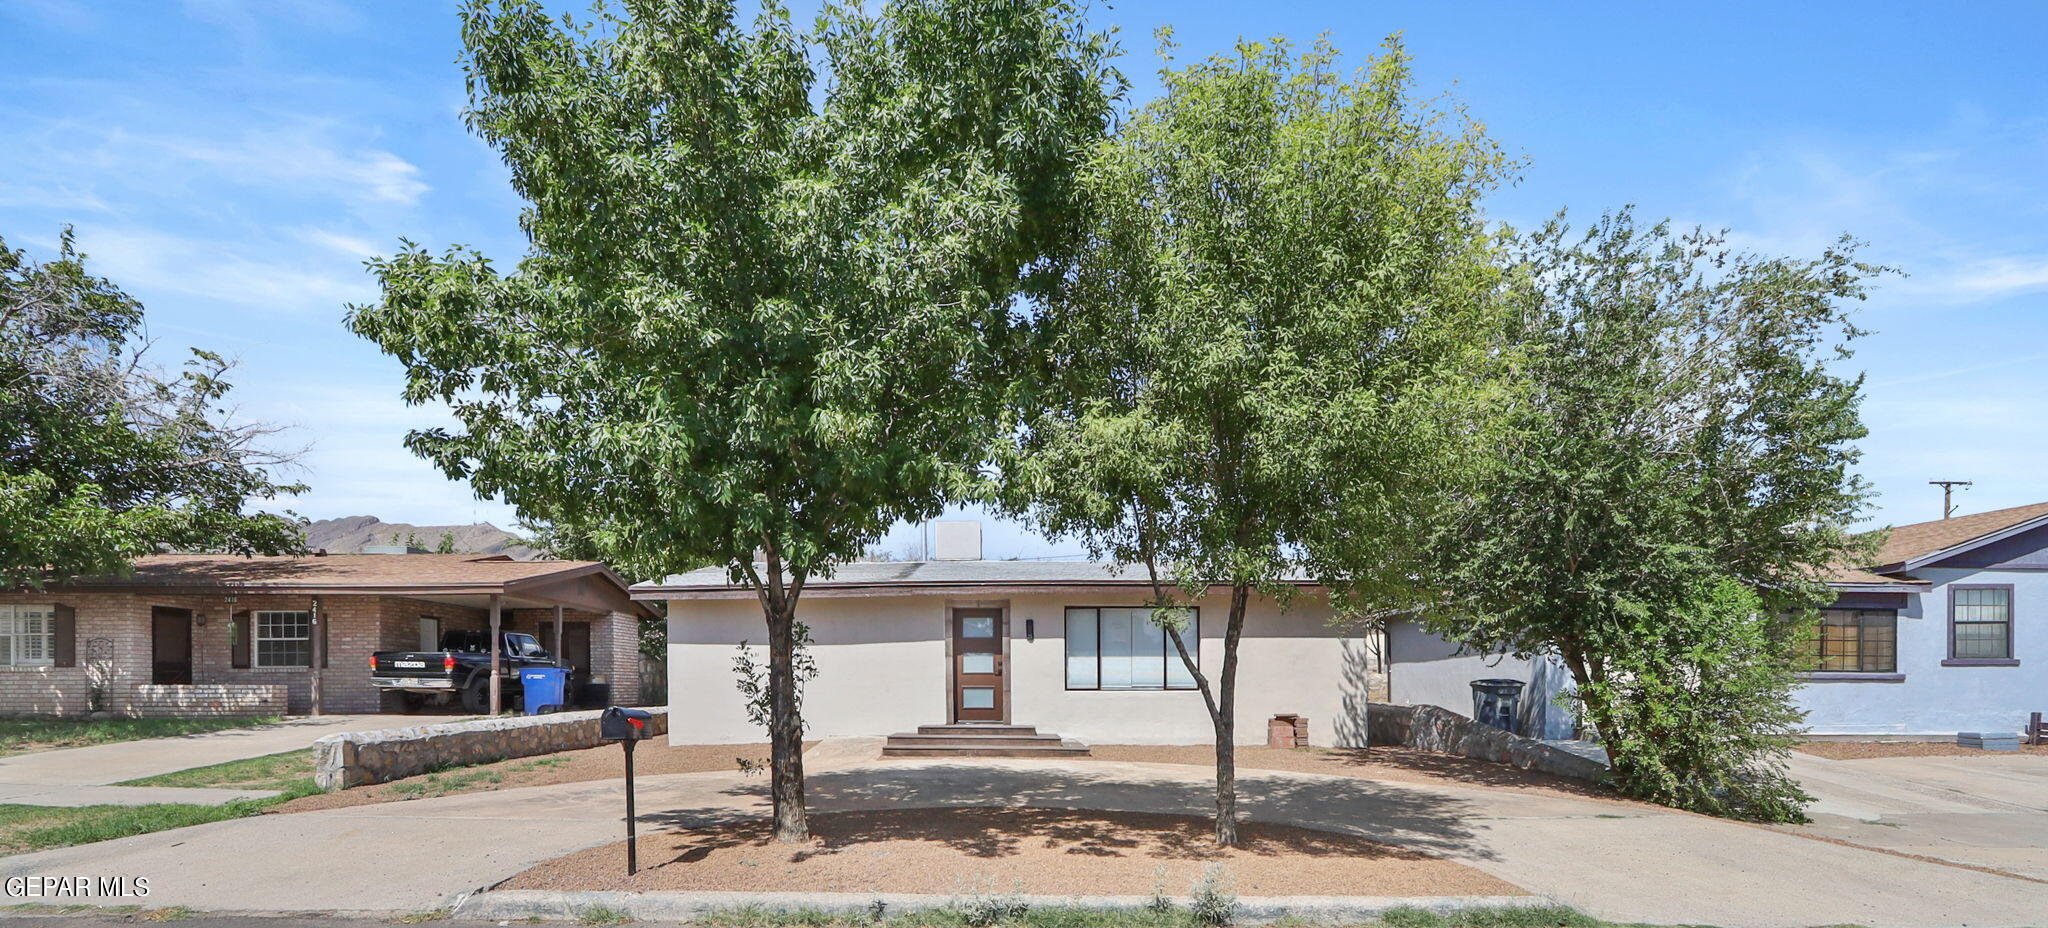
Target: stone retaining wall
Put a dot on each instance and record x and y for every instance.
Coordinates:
(189, 700)
(1434, 728)
(360, 758)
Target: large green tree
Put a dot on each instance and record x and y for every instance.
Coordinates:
(1674, 474)
(770, 282)
(1266, 355)
(103, 455)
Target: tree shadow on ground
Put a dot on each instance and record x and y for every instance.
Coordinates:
(1387, 813)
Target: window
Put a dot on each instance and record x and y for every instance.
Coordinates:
(28, 636)
(1856, 641)
(284, 639)
(1980, 622)
(1121, 649)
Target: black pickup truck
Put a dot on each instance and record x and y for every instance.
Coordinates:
(461, 669)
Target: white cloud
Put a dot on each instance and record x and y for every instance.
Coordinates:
(353, 246)
(146, 261)
(302, 157)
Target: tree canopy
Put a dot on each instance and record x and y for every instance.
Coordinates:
(1265, 355)
(770, 288)
(105, 457)
(1674, 474)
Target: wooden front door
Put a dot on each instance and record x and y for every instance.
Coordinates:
(978, 665)
(170, 637)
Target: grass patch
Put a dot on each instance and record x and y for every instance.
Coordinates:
(598, 916)
(40, 828)
(288, 770)
(20, 736)
(431, 915)
(447, 783)
(176, 913)
(1176, 917)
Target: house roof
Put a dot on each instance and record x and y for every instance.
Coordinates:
(422, 575)
(1910, 546)
(921, 576)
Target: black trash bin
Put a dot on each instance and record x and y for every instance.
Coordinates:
(1494, 702)
(594, 695)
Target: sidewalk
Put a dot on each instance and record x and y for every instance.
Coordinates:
(81, 776)
(1614, 860)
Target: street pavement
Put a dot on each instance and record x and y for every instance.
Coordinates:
(82, 776)
(1615, 860)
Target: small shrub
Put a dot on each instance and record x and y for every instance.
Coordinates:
(1215, 896)
(1160, 902)
(982, 907)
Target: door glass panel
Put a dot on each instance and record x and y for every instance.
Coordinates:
(977, 697)
(977, 626)
(977, 663)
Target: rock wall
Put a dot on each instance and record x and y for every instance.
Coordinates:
(1433, 728)
(360, 758)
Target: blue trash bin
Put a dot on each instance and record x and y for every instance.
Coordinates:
(542, 687)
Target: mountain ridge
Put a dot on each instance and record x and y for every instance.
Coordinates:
(348, 534)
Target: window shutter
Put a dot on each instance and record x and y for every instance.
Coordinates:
(65, 633)
(241, 628)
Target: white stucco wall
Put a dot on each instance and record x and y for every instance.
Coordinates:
(882, 668)
(1938, 700)
(1426, 670)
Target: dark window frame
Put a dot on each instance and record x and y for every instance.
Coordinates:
(1819, 651)
(1168, 653)
(2011, 614)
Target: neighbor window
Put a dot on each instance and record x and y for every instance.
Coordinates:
(284, 639)
(1856, 641)
(28, 636)
(1117, 648)
(1980, 622)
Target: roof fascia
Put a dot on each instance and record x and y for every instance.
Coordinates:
(1971, 545)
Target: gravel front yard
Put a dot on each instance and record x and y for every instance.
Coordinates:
(598, 763)
(1870, 750)
(1399, 764)
(959, 851)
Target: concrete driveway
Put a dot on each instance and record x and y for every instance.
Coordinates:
(1983, 811)
(80, 776)
(1616, 860)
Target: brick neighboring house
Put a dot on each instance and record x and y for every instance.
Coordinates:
(225, 635)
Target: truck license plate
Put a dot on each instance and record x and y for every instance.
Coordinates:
(420, 664)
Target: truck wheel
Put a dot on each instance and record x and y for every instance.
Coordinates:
(476, 697)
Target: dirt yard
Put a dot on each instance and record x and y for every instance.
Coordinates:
(958, 851)
(599, 763)
(1868, 750)
(1399, 764)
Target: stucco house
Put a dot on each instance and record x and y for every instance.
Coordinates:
(223, 635)
(1943, 633)
(1063, 647)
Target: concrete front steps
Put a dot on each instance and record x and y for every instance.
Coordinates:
(980, 739)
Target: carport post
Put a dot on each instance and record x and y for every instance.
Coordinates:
(497, 645)
(315, 618)
(559, 662)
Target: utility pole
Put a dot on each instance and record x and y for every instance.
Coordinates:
(1948, 487)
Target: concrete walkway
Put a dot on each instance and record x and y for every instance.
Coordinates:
(1615, 860)
(81, 776)
(1984, 811)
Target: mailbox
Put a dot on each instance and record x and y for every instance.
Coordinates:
(622, 724)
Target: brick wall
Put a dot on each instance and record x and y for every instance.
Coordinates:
(119, 625)
(614, 645)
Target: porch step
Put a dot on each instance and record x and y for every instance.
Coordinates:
(980, 740)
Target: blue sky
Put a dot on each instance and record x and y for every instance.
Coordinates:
(232, 163)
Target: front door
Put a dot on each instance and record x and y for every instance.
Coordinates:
(170, 645)
(977, 665)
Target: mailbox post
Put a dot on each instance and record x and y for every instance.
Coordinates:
(626, 726)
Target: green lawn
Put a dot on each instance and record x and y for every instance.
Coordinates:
(20, 736)
(36, 828)
(289, 771)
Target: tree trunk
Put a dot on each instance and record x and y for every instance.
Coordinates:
(1224, 717)
(785, 729)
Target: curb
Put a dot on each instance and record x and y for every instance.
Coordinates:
(679, 906)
